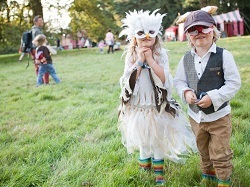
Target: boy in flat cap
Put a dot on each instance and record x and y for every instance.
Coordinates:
(207, 78)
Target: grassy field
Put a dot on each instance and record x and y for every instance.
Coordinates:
(66, 135)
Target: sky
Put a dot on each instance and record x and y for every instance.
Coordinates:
(57, 18)
(53, 17)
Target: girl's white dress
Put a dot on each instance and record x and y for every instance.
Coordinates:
(142, 124)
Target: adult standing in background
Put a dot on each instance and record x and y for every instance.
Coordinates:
(58, 44)
(36, 30)
(109, 39)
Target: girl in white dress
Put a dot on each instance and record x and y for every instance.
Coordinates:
(149, 119)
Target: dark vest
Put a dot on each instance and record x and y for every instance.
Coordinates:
(212, 77)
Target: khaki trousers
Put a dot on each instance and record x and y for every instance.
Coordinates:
(213, 142)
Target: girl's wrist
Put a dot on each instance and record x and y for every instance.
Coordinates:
(136, 66)
(139, 63)
(153, 64)
(140, 60)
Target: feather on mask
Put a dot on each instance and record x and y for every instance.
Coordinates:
(141, 24)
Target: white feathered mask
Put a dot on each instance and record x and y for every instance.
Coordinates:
(142, 24)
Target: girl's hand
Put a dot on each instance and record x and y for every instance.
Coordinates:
(149, 57)
(148, 54)
(37, 61)
(141, 55)
(44, 60)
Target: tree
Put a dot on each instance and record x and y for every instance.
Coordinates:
(36, 7)
(9, 26)
(94, 16)
(15, 18)
(171, 7)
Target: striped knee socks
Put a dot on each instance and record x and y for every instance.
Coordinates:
(210, 176)
(224, 183)
(158, 165)
(145, 164)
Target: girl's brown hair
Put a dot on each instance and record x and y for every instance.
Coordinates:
(39, 40)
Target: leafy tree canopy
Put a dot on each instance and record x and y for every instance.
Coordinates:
(95, 17)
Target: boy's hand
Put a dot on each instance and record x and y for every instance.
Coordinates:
(205, 102)
(190, 97)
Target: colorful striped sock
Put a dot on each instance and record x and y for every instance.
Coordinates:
(212, 172)
(211, 175)
(145, 164)
(159, 173)
(222, 183)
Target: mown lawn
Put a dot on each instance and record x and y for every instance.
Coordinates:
(66, 135)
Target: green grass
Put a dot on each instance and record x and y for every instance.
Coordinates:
(66, 135)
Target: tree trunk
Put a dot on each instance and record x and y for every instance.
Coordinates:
(36, 7)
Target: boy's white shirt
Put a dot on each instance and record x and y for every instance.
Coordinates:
(218, 96)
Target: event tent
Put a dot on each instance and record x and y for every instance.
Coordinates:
(230, 24)
(171, 33)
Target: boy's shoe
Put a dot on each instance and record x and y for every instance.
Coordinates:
(226, 183)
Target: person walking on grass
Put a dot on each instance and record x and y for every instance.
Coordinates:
(109, 39)
(36, 30)
(207, 78)
(149, 119)
(43, 58)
